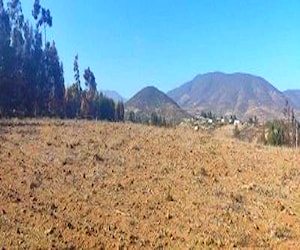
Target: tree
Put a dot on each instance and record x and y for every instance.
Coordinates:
(131, 116)
(119, 112)
(88, 95)
(85, 105)
(90, 80)
(210, 115)
(164, 122)
(297, 134)
(253, 120)
(287, 110)
(11, 60)
(32, 76)
(31, 79)
(42, 16)
(54, 82)
(291, 125)
(73, 93)
(5, 29)
(37, 69)
(276, 133)
(77, 74)
(32, 55)
(6, 58)
(72, 102)
(157, 120)
(106, 107)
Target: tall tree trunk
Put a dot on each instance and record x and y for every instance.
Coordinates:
(45, 34)
(297, 134)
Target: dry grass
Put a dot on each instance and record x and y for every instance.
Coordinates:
(73, 185)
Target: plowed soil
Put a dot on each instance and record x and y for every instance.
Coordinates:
(94, 185)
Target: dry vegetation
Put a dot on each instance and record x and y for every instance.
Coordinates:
(78, 185)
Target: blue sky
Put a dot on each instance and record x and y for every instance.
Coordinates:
(130, 44)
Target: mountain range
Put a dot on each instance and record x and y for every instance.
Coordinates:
(241, 94)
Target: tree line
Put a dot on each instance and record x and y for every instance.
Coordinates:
(32, 76)
(153, 119)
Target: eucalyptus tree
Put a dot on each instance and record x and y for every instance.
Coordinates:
(6, 59)
(54, 81)
(73, 93)
(42, 16)
(88, 104)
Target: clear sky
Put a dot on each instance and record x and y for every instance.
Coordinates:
(130, 44)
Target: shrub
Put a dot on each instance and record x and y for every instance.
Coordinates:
(277, 133)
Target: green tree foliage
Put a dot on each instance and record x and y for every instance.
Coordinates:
(276, 133)
(89, 103)
(157, 120)
(77, 74)
(253, 120)
(90, 81)
(31, 77)
(208, 114)
(72, 102)
(119, 112)
(106, 108)
(284, 132)
(131, 116)
(43, 17)
(54, 81)
(73, 94)
(154, 119)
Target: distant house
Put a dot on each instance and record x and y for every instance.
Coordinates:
(236, 123)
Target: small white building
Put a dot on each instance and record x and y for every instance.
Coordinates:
(236, 123)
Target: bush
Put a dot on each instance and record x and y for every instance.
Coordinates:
(277, 133)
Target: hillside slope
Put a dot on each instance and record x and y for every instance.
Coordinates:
(114, 95)
(241, 94)
(150, 99)
(294, 97)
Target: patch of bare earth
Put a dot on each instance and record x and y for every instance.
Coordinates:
(78, 184)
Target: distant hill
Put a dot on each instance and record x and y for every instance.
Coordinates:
(294, 97)
(240, 94)
(114, 95)
(150, 100)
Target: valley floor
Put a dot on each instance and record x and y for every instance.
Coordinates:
(84, 184)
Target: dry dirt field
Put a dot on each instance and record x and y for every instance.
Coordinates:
(94, 185)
